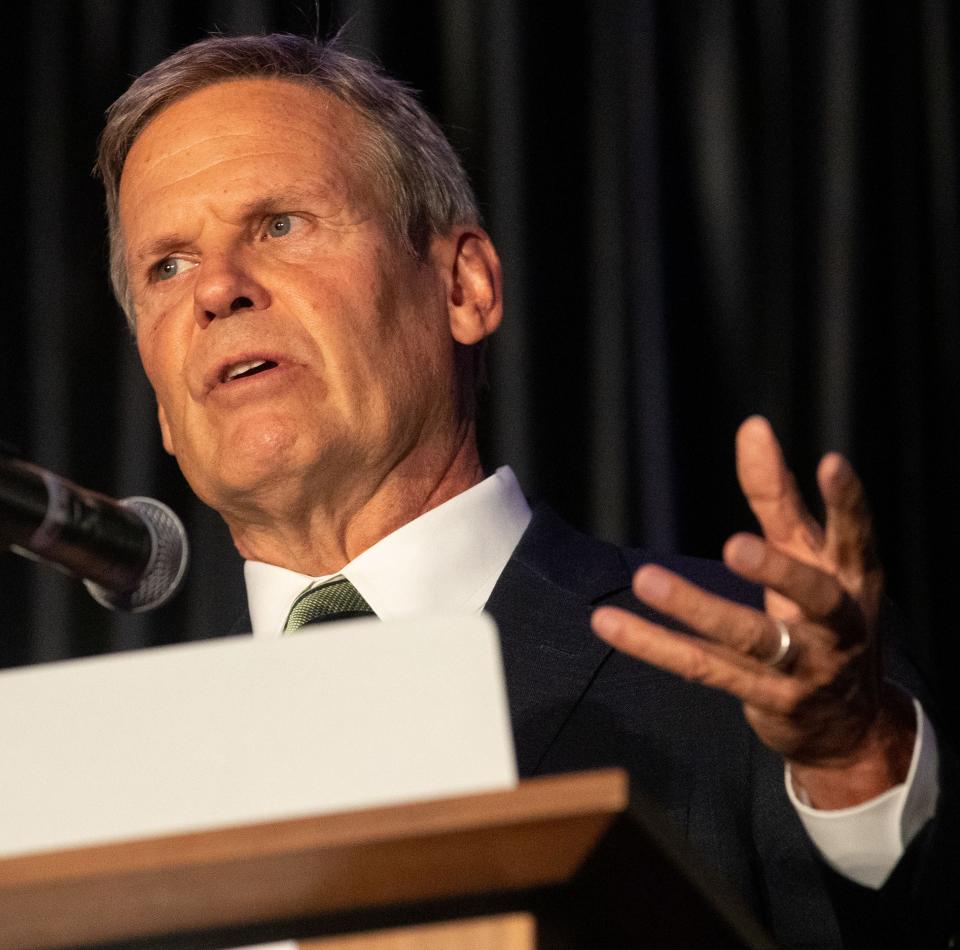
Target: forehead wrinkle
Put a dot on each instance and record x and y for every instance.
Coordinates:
(302, 119)
(311, 135)
(151, 131)
(221, 166)
(284, 116)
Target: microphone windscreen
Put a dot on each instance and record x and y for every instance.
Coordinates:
(170, 554)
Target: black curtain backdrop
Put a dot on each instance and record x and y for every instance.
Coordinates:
(706, 209)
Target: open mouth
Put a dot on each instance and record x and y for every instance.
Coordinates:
(246, 369)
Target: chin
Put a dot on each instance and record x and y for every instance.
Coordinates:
(249, 459)
(261, 435)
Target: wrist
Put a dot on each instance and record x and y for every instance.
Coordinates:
(879, 761)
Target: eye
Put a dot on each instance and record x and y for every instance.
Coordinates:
(170, 267)
(279, 225)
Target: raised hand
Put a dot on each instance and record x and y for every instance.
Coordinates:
(807, 669)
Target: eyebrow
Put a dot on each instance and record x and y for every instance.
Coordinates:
(286, 199)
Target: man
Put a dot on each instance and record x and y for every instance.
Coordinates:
(301, 259)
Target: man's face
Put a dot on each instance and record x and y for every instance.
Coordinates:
(289, 339)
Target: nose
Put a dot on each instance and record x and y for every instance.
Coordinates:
(225, 287)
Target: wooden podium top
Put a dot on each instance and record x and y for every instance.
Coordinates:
(536, 835)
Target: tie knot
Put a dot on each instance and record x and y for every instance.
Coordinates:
(336, 600)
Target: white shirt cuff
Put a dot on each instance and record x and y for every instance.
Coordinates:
(865, 842)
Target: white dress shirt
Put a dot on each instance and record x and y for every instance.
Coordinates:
(450, 558)
(447, 560)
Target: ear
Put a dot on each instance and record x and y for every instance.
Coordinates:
(473, 279)
(165, 430)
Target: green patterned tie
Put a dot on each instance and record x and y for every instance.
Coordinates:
(337, 600)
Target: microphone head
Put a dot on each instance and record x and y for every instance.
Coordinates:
(166, 568)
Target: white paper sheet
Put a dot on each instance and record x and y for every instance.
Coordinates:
(222, 732)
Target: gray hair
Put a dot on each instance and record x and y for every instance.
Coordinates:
(423, 181)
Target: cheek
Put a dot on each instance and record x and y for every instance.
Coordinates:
(162, 359)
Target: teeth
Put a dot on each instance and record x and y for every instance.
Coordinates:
(239, 368)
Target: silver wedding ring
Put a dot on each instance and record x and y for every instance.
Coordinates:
(783, 648)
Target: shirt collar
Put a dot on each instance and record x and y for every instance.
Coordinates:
(448, 559)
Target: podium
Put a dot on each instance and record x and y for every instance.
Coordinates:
(559, 862)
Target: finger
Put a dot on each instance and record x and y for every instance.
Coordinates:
(815, 592)
(818, 595)
(771, 490)
(747, 631)
(849, 538)
(850, 542)
(696, 660)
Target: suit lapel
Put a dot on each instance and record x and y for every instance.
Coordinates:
(542, 605)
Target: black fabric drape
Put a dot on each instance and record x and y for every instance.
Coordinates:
(706, 209)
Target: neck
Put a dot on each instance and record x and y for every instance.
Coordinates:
(330, 529)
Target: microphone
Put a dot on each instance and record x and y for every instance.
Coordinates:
(132, 554)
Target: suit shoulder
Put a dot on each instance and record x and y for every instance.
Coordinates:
(712, 575)
(602, 570)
